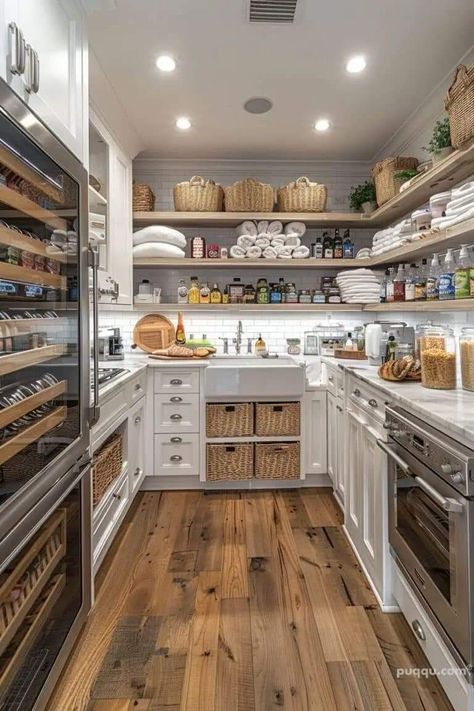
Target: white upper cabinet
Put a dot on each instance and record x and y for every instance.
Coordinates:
(43, 57)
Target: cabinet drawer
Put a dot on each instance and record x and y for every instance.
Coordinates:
(176, 454)
(332, 380)
(176, 413)
(340, 384)
(110, 514)
(138, 387)
(176, 381)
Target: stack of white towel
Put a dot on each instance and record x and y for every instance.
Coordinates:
(458, 209)
(269, 240)
(158, 241)
(393, 237)
(359, 286)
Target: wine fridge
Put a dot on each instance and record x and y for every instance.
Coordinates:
(45, 410)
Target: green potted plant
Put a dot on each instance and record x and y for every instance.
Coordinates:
(440, 144)
(362, 198)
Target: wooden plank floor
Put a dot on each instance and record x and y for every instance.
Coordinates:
(240, 602)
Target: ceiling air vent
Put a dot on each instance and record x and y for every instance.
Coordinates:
(272, 10)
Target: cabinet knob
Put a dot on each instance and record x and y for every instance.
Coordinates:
(137, 471)
(138, 419)
(356, 392)
(373, 402)
(331, 378)
(176, 440)
(176, 458)
(116, 496)
(176, 381)
(176, 398)
(176, 417)
(138, 386)
(338, 408)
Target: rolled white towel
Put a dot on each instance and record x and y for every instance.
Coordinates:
(284, 252)
(275, 228)
(237, 252)
(269, 253)
(292, 240)
(246, 241)
(278, 242)
(248, 227)
(254, 252)
(262, 242)
(266, 235)
(301, 252)
(463, 190)
(298, 228)
(262, 226)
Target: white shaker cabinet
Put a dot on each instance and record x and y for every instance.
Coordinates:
(315, 438)
(119, 249)
(332, 438)
(43, 57)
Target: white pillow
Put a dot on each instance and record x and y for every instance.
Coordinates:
(159, 233)
(157, 249)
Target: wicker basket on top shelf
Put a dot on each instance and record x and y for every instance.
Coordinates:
(459, 104)
(302, 196)
(383, 172)
(143, 198)
(198, 195)
(249, 195)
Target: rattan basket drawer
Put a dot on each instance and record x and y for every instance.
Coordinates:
(229, 461)
(277, 460)
(277, 419)
(106, 466)
(229, 420)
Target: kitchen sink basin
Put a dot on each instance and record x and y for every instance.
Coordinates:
(253, 377)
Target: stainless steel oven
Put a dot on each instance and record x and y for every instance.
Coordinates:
(431, 523)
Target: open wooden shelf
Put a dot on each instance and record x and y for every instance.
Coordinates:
(13, 272)
(12, 362)
(12, 413)
(453, 305)
(16, 239)
(280, 308)
(25, 171)
(96, 200)
(32, 433)
(24, 206)
(309, 263)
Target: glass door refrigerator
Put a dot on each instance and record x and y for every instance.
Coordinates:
(45, 411)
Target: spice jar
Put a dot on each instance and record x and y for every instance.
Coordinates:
(466, 349)
(437, 351)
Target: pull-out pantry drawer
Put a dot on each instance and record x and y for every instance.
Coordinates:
(176, 381)
(176, 413)
(109, 515)
(176, 454)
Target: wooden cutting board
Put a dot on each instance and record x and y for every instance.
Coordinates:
(152, 332)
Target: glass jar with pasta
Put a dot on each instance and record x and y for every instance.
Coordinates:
(436, 348)
(466, 350)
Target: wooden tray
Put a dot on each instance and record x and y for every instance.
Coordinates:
(349, 355)
(152, 332)
(31, 434)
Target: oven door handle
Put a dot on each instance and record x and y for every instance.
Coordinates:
(393, 455)
(446, 503)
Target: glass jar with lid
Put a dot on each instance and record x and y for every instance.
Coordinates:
(466, 350)
(436, 348)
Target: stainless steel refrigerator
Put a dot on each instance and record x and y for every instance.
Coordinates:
(45, 412)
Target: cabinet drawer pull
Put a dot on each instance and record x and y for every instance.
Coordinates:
(138, 419)
(176, 417)
(418, 630)
(116, 496)
(373, 402)
(176, 440)
(338, 408)
(176, 381)
(331, 378)
(176, 458)
(356, 392)
(176, 398)
(137, 471)
(138, 386)
(17, 49)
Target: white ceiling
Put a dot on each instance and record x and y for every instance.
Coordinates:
(223, 60)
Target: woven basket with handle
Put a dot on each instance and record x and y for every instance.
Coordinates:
(143, 198)
(249, 195)
(302, 196)
(198, 195)
(229, 461)
(459, 104)
(386, 185)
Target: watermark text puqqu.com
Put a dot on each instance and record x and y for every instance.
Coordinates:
(426, 672)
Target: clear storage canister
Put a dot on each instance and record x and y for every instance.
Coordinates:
(436, 348)
(466, 350)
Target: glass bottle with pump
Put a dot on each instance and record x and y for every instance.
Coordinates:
(432, 281)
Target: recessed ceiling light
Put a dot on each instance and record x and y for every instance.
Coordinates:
(258, 105)
(183, 123)
(165, 63)
(356, 64)
(322, 125)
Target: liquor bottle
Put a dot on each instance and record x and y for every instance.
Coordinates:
(225, 295)
(205, 294)
(182, 292)
(275, 294)
(215, 296)
(193, 291)
(432, 281)
(347, 246)
(389, 292)
(318, 248)
(180, 332)
(282, 285)
(338, 250)
(328, 246)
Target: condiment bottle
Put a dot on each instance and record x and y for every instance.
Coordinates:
(462, 275)
(180, 332)
(193, 292)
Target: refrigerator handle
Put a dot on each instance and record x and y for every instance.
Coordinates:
(94, 264)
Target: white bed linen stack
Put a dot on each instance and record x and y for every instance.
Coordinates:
(458, 209)
(158, 241)
(359, 286)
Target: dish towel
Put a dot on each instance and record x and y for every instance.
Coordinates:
(275, 228)
(237, 252)
(254, 252)
(246, 241)
(248, 227)
(292, 241)
(262, 226)
(269, 253)
(301, 252)
(298, 228)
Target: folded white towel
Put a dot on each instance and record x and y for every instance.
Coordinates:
(246, 241)
(292, 241)
(298, 228)
(275, 227)
(453, 211)
(248, 227)
(262, 226)
(301, 252)
(254, 252)
(462, 190)
(262, 242)
(237, 252)
(460, 202)
(269, 253)
(456, 219)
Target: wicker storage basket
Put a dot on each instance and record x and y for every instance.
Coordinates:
(386, 185)
(249, 195)
(143, 198)
(277, 460)
(106, 467)
(198, 195)
(277, 419)
(229, 461)
(460, 106)
(229, 420)
(302, 196)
